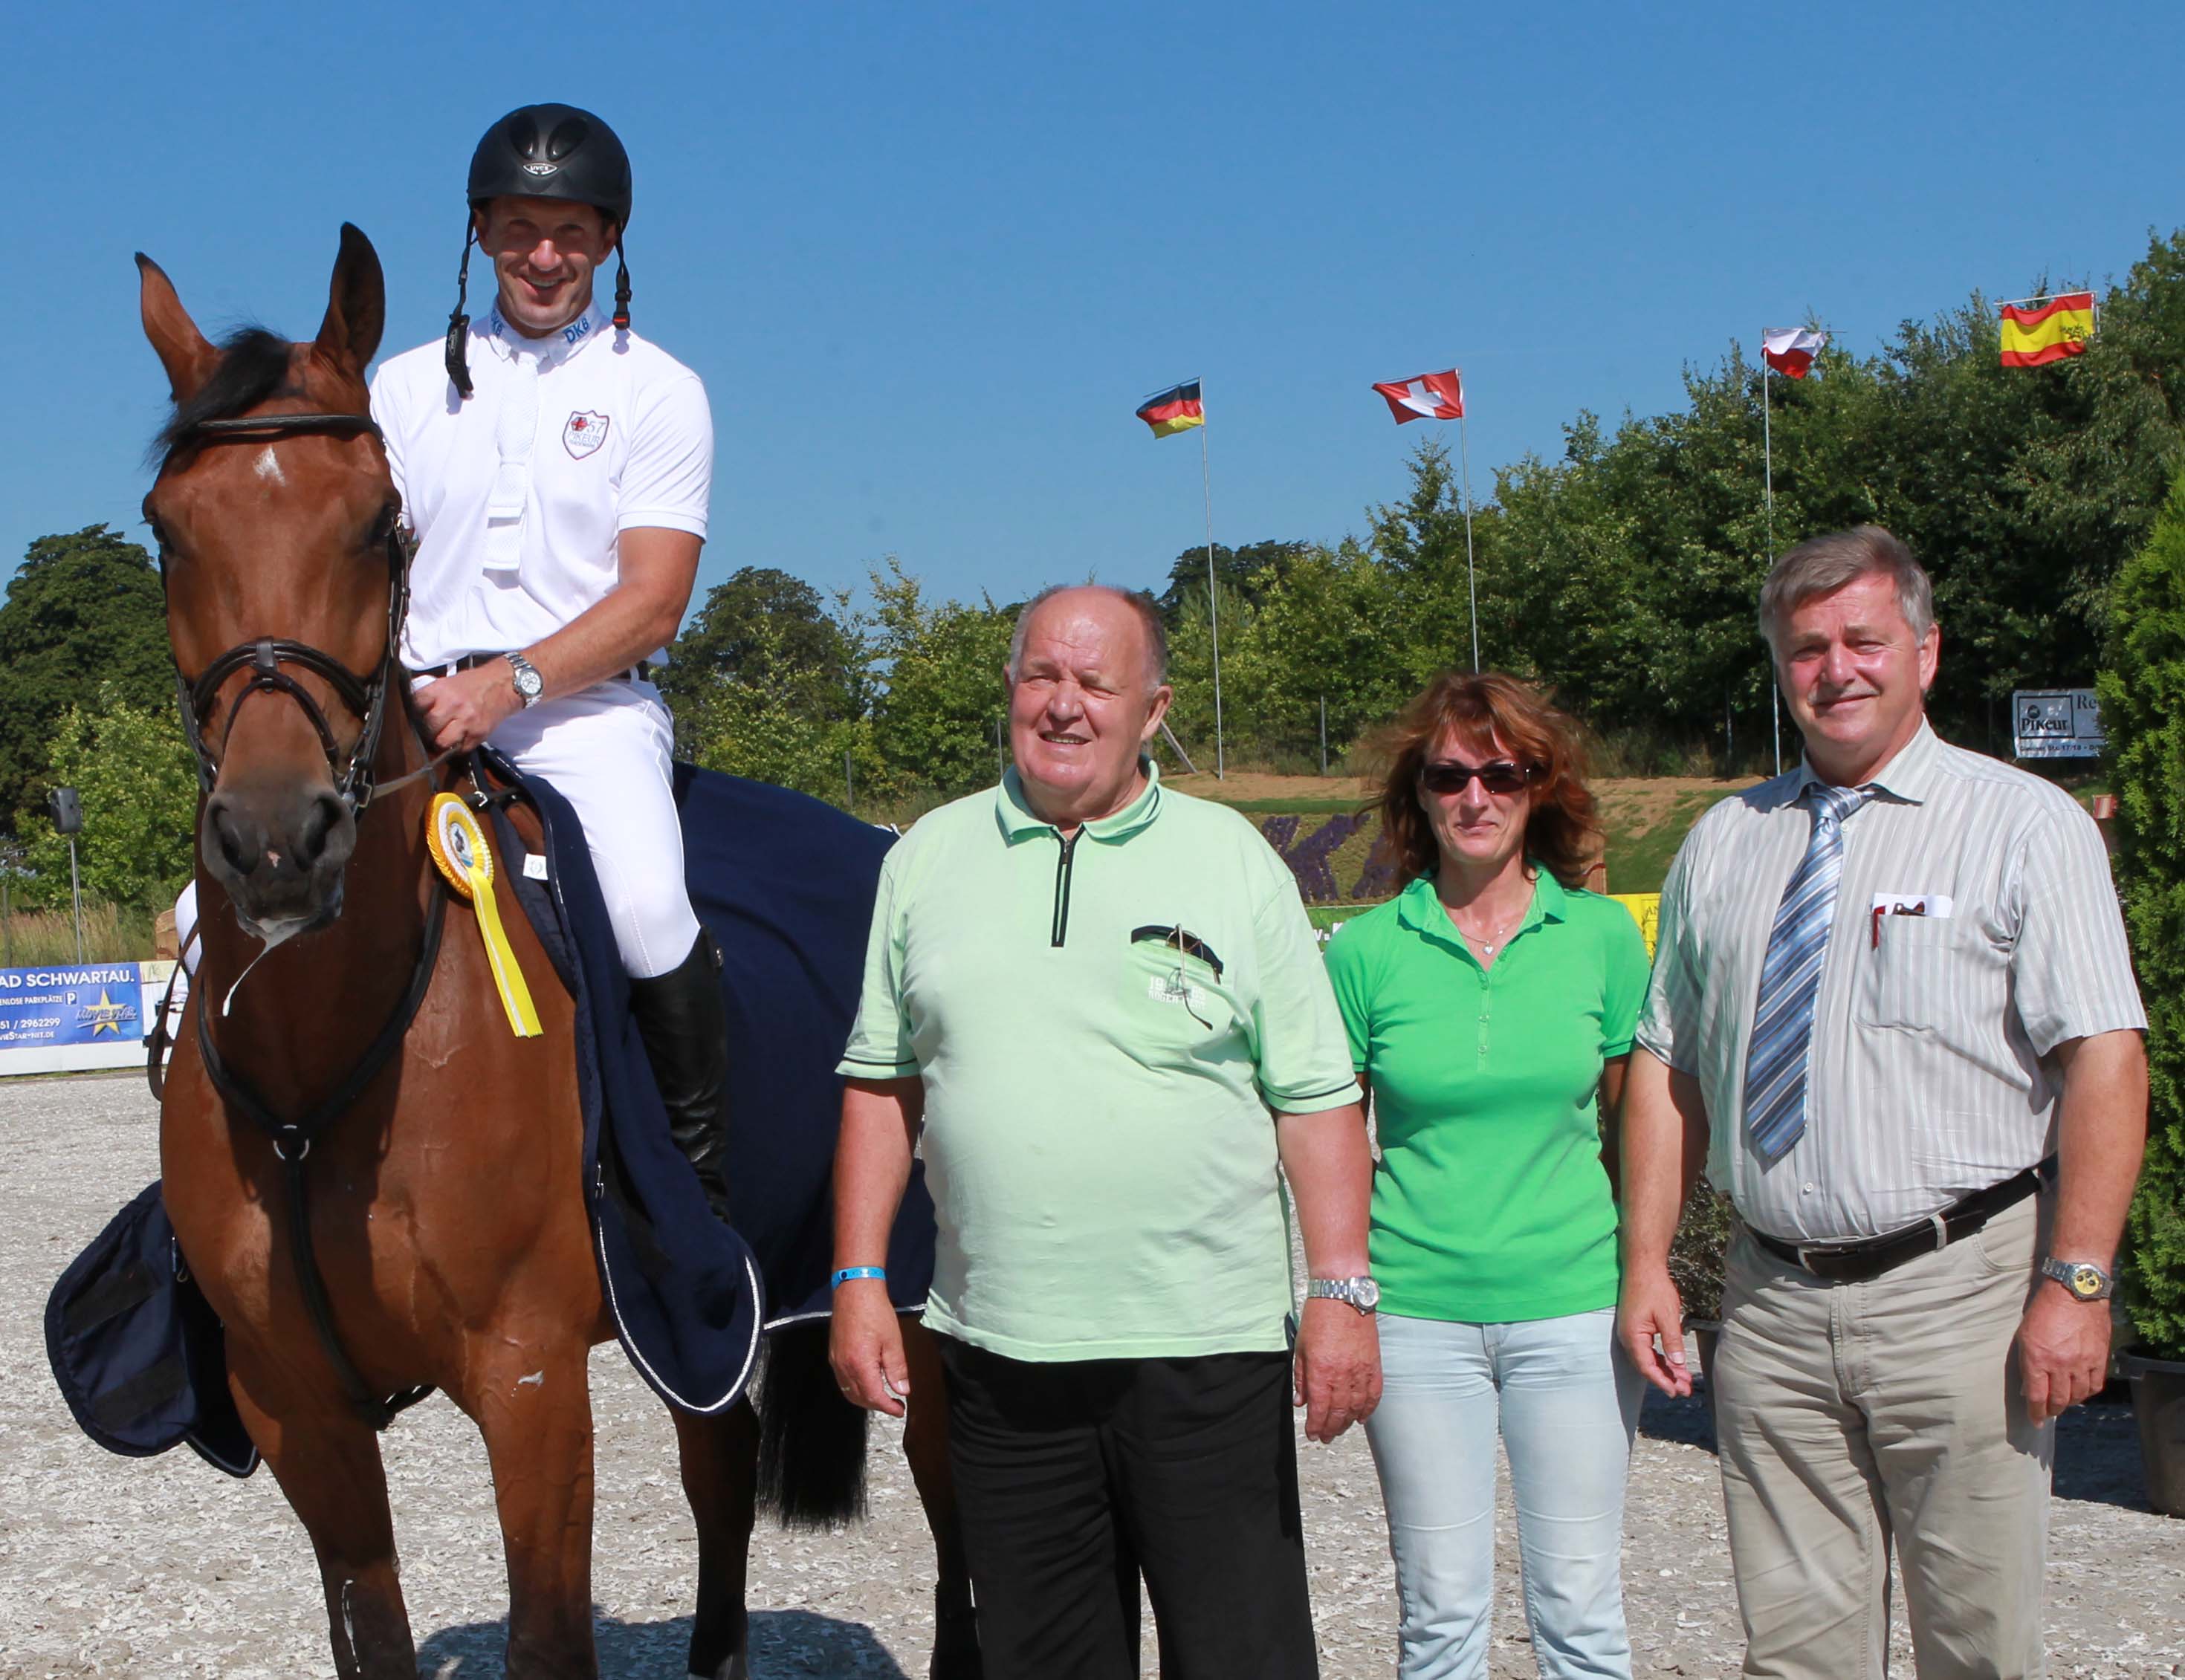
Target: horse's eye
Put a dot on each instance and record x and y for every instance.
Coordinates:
(384, 527)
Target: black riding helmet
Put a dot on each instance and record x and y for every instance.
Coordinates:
(543, 152)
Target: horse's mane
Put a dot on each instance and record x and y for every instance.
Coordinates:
(253, 368)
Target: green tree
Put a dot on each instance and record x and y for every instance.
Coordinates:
(935, 720)
(766, 629)
(83, 609)
(1251, 571)
(131, 767)
(2143, 698)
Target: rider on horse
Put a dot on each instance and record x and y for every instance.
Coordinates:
(555, 468)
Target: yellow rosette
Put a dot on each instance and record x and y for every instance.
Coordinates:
(459, 847)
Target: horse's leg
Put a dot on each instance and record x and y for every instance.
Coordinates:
(925, 1444)
(327, 1460)
(534, 1405)
(720, 1478)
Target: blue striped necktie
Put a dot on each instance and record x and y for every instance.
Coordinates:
(1776, 1066)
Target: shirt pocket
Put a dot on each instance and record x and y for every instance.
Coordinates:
(1921, 970)
(1175, 1010)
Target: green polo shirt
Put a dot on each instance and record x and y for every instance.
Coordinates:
(1098, 1138)
(1490, 1204)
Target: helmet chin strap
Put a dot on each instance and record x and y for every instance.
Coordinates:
(621, 288)
(459, 324)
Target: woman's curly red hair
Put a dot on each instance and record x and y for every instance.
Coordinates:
(1563, 832)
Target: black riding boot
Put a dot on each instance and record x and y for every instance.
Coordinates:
(685, 1027)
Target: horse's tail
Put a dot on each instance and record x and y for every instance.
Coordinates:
(811, 1441)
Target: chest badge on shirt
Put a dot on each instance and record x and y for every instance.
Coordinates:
(584, 432)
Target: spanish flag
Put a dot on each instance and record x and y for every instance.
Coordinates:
(2061, 326)
(1175, 409)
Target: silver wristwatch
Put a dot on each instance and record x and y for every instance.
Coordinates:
(530, 686)
(2085, 1279)
(1362, 1292)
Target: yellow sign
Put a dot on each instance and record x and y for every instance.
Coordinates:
(1645, 908)
(458, 846)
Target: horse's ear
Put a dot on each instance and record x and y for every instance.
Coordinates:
(182, 349)
(357, 306)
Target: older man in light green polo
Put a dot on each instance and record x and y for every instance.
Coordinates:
(1103, 1001)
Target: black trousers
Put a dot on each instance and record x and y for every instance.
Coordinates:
(1073, 1479)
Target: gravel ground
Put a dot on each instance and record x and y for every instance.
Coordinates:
(164, 1568)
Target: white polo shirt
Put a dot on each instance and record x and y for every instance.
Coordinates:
(520, 494)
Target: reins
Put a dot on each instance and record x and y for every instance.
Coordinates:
(263, 658)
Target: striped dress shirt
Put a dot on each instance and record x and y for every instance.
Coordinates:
(2002, 940)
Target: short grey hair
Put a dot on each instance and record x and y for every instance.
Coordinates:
(1820, 565)
(1137, 600)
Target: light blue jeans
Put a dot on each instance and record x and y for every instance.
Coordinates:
(1567, 1403)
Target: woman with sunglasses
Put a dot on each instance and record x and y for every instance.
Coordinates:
(1490, 1009)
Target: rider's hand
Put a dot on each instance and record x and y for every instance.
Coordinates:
(1649, 1307)
(864, 1344)
(458, 712)
(1337, 1374)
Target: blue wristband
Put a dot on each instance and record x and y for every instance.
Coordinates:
(844, 1275)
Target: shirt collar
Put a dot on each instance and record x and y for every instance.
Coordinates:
(1420, 907)
(552, 350)
(1018, 820)
(1909, 775)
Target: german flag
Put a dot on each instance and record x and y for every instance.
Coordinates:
(2059, 327)
(1175, 409)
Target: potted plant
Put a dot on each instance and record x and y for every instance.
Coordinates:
(1695, 1262)
(2143, 671)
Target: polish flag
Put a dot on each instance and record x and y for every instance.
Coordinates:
(1791, 350)
(1429, 396)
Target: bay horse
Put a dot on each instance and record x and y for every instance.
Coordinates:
(431, 1232)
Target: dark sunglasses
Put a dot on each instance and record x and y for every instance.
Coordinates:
(1501, 777)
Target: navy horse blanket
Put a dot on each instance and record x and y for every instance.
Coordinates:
(785, 885)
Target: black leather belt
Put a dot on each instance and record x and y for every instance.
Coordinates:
(639, 672)
(1871, 1256)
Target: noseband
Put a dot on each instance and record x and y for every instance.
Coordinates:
(264, 656)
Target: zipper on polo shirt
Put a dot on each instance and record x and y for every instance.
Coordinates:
(1062, 867)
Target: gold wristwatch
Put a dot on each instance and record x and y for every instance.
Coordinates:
(2085, 1279)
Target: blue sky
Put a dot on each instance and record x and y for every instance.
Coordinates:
(928, 257)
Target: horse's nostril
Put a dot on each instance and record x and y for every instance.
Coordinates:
(238, 842)
(318, 824)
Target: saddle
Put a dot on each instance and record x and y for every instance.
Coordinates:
(785, 884)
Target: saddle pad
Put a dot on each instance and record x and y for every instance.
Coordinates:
(135, 1346)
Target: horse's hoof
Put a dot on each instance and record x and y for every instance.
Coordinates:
(735, 1668)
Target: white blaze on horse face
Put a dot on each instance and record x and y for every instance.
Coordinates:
(268, 467)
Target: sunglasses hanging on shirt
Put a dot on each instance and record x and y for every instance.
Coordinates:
(1502, 776)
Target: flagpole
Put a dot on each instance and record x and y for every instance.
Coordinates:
(1767, 457)
(1213, 588)
(1471, 578)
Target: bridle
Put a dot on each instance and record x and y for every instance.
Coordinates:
(263, 656)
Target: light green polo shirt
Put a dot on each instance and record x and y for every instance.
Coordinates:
(1490, 1204)
(1098, 1138)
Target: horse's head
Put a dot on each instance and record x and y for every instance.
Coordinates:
(275, 517)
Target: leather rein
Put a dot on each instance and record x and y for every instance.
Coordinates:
(264, 657)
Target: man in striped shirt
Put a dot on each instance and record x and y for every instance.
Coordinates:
(1893, 1010)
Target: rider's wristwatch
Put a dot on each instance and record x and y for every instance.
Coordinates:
(530, 686)
(2085, 1279)
(1362, 1292)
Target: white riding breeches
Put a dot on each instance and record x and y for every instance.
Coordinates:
(610, 751)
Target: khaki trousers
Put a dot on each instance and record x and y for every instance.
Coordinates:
(1858, 1417)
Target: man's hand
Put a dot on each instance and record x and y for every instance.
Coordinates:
(458, 712)
(1336, 1375)
(2063, 1350)
(865, 1346)
(1646, 1306)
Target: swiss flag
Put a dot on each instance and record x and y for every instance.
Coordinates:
(1426, 396)
(1791, 350)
